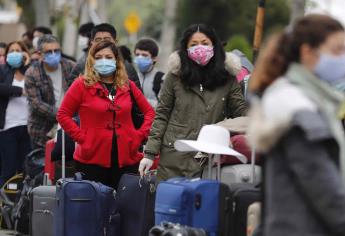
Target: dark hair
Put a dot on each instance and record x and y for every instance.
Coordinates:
(126, 53)
(147, 45)
(29, 34)
(104, 27)
(213, 74)
(3, 45)
(284, 48)
(85, 29)
(42, 29)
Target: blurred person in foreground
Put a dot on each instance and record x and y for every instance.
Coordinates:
(295, 124)
(14, 109)
(108, 143)
(200, 88)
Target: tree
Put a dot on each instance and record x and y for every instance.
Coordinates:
(168, 31)
(297, 9)
(241, 43)
(230, 17)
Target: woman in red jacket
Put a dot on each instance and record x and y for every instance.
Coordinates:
(108, 142)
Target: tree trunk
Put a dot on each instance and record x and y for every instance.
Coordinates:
(71, 31)
(102, 10)
(42, 10)
(297, 9)
(168, 33)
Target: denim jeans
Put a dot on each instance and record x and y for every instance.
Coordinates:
(14, 146)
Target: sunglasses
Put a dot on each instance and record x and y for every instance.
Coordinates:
(53, 51)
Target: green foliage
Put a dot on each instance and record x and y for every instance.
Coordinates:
(241, 43)
(229, 17)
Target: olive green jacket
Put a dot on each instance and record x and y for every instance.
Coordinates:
(181, 113)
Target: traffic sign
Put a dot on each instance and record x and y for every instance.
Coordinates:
(132, 22)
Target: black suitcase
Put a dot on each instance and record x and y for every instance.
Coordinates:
(242, 196)
(136, 198)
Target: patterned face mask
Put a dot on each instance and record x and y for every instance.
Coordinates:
(201, 54)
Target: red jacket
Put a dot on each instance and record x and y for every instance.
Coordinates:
(94, 136)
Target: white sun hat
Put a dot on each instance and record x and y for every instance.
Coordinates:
(212, 139)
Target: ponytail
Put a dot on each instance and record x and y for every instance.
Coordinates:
(272, 62)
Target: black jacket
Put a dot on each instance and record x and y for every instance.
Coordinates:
(7, 90)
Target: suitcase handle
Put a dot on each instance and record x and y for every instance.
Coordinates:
(148, 175)
(78, 176)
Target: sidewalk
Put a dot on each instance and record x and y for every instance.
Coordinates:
(6, 232)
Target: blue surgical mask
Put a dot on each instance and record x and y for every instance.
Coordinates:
(331, 68)
(144, 63)
(15, 59)
(105, 67)
(52, 59)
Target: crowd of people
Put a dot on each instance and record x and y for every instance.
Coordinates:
(295, 105)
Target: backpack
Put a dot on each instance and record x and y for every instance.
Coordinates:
(157, 82)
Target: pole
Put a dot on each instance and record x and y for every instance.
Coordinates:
(259, 27)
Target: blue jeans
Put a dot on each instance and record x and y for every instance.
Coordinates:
(14, 146)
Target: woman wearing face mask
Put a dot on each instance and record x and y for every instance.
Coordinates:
(15, 141)
(296, 125)
(200, 88)
(107, 141)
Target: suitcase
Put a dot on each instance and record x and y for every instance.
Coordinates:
(199, 203)
(54, 167)
(43, 198)
(84, 207)
(253, 217)
(42, 204)
(49, 167)
(240, 173)
(136, 197)
(242, 196)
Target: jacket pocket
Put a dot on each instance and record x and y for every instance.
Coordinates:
(95, 140)
(174, 131)
(134, 144)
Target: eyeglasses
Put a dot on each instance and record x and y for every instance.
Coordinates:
(52, 51)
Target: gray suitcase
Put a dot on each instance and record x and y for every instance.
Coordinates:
(240, 173)
(42, 213)
(43, 201)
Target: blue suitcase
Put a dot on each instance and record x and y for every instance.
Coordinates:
(85, 208)
(198, 203)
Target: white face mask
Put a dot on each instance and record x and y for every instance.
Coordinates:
(35, 42)
(83, 42)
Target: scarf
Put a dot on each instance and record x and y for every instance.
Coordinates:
(329, 101)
